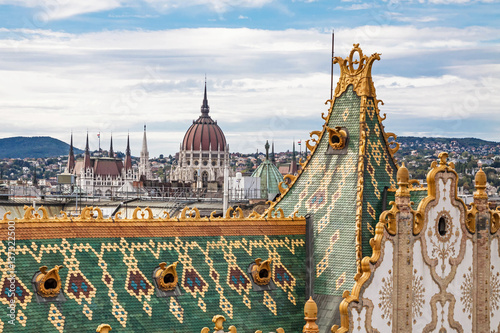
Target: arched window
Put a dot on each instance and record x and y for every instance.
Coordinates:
(204, 178)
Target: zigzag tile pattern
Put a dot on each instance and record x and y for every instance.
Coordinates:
(327, 189)
(109, 280)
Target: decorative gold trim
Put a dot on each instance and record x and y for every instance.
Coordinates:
(45, 276)
(340, 134)
(103, 328)
(360, 77)
(319, 134)
(353, 296)
(143, 213)
(291, 181)
(495, 220)
(470, 218)
(403, 182)
(389, 135)
(31, 214)
(480, 181)
(310, 316)
(94, 214)
(264, 268)
(389, 218)
(360, 185)
(443, 166)
(219, 320)
(191, 213)
(163, 272)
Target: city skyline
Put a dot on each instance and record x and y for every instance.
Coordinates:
(113, 66)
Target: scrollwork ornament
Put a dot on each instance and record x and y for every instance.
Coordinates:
(336, 137)
(495, 220)
(356, 71)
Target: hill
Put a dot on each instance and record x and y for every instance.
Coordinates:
(33, 147)
(468, 142)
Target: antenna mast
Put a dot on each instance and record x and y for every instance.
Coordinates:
(333, 53)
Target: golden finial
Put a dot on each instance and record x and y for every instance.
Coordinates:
(403, 177)
(103, 328)
(218, 320)
(442, 158)
(356, 70)
(480, 183)
(310, 316)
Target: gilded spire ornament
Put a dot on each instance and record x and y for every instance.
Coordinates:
(356, 70)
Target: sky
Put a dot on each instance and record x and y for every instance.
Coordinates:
(113, 66)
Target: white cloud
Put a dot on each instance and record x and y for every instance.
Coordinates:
(356, 6)
(269, 83)
(424, 19)
(48, 10)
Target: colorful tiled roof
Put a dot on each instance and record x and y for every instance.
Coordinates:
(342, 182)
(109, 264)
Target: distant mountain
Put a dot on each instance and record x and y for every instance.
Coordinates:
(33, 147)
(471, 142)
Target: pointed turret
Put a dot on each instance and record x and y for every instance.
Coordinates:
(128, 157)
(144, 168)
(71, 157)
(273, 160)
(293, 165)
(205, 109)
(86, 157)
(111, 152)
(344, 181)
(269, 176)
(267, 150)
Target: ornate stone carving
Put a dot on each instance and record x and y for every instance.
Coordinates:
(48, 283)
(261, 271)
(359, 76)
(166, 277)
(336, 137)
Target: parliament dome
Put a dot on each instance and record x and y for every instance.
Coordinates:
(204, 134)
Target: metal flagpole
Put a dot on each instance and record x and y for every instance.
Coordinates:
(333, 53)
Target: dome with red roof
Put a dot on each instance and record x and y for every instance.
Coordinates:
(204, 134)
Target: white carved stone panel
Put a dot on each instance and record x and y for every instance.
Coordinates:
(462, 288)
(495, 287)
(381, 291)
(423, 287)
(443, 247)
(443, 320)
(358, 320)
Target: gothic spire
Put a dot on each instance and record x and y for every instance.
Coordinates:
(205, 109)
(86, 157)
(293, 166)
(71, 156)
(267, 150)
(128, 157)
(111, 152)
(272, 155)
(87, 150)
(144, 166)
(144, 142)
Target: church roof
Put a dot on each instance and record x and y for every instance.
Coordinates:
(109, 263)
(342, 182)
(204, 134)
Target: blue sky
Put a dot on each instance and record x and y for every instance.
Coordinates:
(110, 66)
